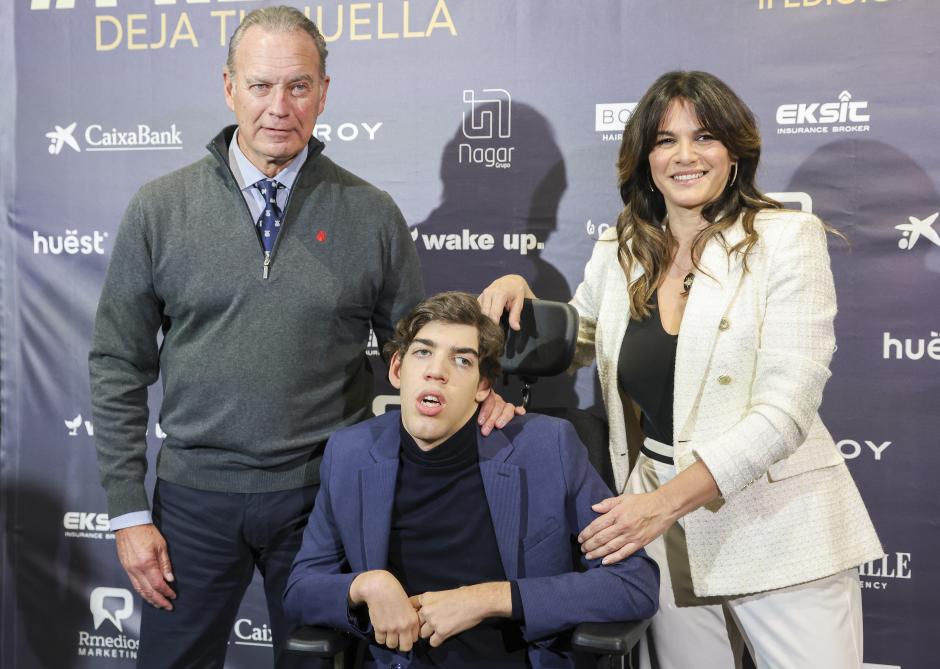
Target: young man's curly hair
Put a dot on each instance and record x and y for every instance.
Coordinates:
(458, 309)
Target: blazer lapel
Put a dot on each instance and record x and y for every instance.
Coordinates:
(708, 302)
(503, 487)
(376, 493)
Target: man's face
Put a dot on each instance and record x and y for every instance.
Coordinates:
(439, 380)
(276, 93)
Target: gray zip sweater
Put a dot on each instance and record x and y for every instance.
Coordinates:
(257, 372)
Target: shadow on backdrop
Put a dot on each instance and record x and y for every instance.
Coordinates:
(505, 191)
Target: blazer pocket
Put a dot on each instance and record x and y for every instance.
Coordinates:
(533, 539)
(819, 456)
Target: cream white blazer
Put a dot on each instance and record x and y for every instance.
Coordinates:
(752, 360)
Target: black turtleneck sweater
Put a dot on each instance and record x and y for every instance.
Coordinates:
(442, 537)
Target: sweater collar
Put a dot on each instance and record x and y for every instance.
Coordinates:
(218, 147)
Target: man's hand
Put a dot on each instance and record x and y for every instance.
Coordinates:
(143, 554)
(496, 412)
(394, 619)
(446, 613)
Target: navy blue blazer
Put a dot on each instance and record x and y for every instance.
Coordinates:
(539, 486)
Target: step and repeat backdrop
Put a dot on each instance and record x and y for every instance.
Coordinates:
(495, 125)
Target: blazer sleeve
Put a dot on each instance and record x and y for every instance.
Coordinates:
(796, 345)
(627, 590)
(587, 297)
(317, 591)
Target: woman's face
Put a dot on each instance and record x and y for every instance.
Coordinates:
(688, 165)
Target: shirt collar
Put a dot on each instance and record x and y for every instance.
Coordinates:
(246, 174)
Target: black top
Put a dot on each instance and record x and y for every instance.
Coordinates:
(646, 371)
(442, 537)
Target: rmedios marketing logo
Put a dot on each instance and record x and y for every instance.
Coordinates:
(113, 606)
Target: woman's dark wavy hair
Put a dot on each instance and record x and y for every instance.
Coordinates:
(640, 230)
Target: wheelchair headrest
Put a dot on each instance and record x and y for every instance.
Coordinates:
(544, 346)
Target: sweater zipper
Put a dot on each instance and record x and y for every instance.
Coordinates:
(266, 266)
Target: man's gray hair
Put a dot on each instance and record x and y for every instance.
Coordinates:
(278, 19)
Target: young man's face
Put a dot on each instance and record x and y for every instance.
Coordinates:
(439, 380)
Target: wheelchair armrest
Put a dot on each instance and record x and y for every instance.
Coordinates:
(318, 641)
(608, 638)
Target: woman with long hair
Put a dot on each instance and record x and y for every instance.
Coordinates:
(712, 308)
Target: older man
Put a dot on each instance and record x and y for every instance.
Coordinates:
(264, 265)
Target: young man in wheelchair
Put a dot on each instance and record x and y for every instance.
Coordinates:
(448, 548)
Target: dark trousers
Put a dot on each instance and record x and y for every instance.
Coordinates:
(215, 541)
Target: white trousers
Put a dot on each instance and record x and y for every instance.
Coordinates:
(806, 626)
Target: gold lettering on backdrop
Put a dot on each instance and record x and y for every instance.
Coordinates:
(808, 4)
(339, 23)
(179, 33)
(405, 12)
(355, 20)
(133, 31)
(135, 34)
(100, 21)
(445, 22)
(162, 42)
(382, 33)
(224, 31)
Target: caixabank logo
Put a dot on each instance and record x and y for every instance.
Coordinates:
(70, 138)
(845, 115)
(249, 633)
(107, 639)
(916, 229)
(486, 124)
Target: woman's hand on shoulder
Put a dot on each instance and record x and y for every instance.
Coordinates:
(506, 294)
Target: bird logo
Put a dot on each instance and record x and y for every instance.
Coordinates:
(73, 425)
